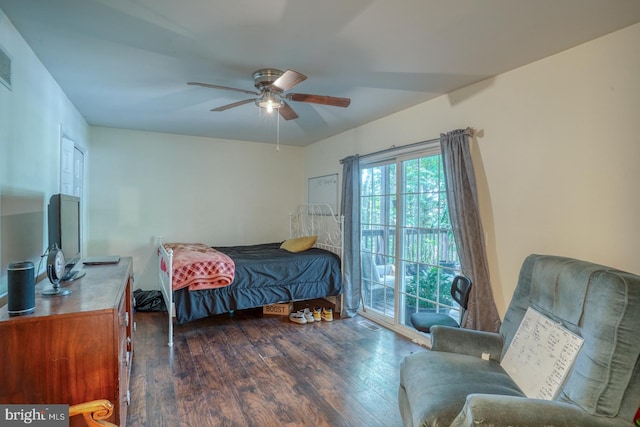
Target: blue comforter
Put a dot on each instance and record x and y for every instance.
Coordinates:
(265, 274)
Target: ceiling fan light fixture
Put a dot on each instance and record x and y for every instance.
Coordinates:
(269, 102)
(272, 85)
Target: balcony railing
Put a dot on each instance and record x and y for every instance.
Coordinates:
(427, 264)
(421, 245)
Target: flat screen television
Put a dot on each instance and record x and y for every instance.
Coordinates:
(64, 230)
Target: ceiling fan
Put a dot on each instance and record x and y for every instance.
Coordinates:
(272, 84)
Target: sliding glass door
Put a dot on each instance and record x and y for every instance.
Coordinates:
(378, 236)
(408, 252)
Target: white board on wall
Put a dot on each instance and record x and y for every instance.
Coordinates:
(324, 190)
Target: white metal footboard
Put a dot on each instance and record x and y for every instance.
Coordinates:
(165, 270)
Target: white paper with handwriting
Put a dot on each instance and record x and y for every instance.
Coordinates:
(540, 355)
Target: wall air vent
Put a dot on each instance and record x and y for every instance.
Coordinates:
(5, 68)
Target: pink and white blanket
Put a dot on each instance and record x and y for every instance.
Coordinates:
(198, 266)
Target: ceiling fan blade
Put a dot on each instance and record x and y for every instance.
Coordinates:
(287, 112)
(235, 104)
(319, 99)
(210, 86)
(289, 79)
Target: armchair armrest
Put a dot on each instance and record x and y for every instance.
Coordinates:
(466, 341)
(496, 410)
(94, 412)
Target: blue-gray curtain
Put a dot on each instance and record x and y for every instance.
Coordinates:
(350, 209)
(462, 200)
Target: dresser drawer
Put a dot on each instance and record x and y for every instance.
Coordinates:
(125, 351)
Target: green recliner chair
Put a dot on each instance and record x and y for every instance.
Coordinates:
(454, 385)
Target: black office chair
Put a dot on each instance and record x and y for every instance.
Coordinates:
(460, 290)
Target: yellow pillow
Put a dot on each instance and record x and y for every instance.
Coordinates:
(299, 244)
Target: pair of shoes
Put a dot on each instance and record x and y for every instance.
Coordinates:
(297, 317)
(323, 313)
(308, 314)
(302, 316)
(327, 314)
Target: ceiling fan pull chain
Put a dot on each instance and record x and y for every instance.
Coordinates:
(277, 132)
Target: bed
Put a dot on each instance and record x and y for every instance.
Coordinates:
(262, 274)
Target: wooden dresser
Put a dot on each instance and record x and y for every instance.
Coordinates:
(73, 348)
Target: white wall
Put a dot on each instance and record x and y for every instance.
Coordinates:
(556, 159)
(31, 116)
(190, 189)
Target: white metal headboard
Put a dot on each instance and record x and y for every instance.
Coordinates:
(318, 220)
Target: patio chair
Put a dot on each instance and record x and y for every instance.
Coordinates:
(460, 289)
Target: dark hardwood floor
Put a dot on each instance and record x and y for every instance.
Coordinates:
(255, 370)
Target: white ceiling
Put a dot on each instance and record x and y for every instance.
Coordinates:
(125, 63)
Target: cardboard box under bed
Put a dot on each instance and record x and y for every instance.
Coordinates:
(285, 308)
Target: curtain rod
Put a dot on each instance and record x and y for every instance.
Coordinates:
(467, 131)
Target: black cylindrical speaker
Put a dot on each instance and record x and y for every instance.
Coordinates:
(21, 290)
